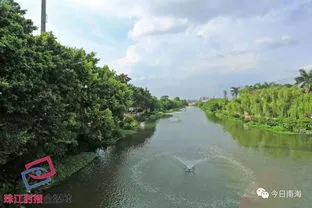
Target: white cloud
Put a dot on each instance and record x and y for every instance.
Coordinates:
(223, 65)
(157, 25)
(125, 64)
(307, 67)
(273, 43)
(213, 27)
(239, 63)
(116, 8)
(147, 77)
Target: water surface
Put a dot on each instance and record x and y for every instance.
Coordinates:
(230, 162)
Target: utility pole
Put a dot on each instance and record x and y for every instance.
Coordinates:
(43, 15)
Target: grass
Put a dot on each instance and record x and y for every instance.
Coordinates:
(127, 132)
(274, 129)
(71, 165)
(64, 169)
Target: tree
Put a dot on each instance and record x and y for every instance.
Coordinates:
(54, 100)
(164, 97)
(155, 104)
(124, 78)
(177, 99)
(143, 101)
(304, 80)
(225, 94)
(234, 91)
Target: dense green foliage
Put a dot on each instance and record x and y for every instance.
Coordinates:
(55, 100)
(272, 106)
(305, 80)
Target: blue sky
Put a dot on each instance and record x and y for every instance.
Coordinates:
(187, 48)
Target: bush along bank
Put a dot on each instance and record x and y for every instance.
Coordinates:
(133, 121)
(278, 108)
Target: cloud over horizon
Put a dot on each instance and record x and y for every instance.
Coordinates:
(188, 48)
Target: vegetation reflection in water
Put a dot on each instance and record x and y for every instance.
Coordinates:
(279, 145)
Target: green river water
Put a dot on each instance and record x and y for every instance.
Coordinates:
(230, 162)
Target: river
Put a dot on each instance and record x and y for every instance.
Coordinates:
(229, 163)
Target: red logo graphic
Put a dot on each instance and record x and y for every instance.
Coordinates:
(46, 175)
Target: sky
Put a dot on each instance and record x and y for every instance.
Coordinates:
(187, 48)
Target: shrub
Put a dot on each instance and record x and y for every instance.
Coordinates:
(129, 123)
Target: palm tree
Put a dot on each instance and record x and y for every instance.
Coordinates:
(225, 94)
(305, 80)
(234, 91)
(123, 78)
(257, 86)
(265, 85)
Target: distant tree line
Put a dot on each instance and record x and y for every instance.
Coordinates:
(285, 107)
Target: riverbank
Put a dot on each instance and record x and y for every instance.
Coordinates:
(279, 108)
(280, 126)
(64, 169)
(274, 129)
(143, 118)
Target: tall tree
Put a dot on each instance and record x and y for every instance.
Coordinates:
(225, 94)
(124, 78)
(305, 80)
(234, 91)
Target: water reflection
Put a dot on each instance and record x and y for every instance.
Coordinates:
(104, 175)
(139, 139)
(279, 145)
